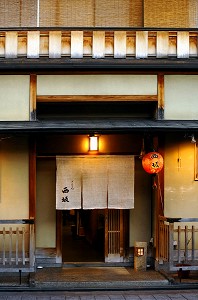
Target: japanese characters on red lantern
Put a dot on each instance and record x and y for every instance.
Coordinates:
(152, 162)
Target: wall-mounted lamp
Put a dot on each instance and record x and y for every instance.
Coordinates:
(139, 251)
(191, 137)
(93, 143)
(193, 140)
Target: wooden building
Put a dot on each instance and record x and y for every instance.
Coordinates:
(127, 72)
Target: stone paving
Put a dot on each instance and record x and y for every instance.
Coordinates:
(102, 295)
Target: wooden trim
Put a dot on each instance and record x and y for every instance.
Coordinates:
(32, 178)
(58, 236)
(106, 234)
(121, 233)
(33, 87)
(87, 98)
(160, 92)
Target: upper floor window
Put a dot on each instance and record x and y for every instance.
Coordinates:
(99, 13)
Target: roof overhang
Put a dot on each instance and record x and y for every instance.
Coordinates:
(44, 64)
(100, 125)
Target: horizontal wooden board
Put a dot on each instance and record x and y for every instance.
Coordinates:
(102, 98)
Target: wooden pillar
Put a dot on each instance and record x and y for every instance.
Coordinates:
(33, 87)
(160, 95)
(58, 236)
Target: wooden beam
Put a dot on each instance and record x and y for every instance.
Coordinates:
(120, 44)
(33, 84)
(76, 44)
(160, 93)
(54, 44)
(98, 48)
(33, 44)
(183, 44)
(92, 98)
(11, 44)
(162, 44)
(141, 44)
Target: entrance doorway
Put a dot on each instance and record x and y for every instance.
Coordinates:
(99, 235)
(83, 238)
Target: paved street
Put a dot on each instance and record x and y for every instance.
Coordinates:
(101, 295)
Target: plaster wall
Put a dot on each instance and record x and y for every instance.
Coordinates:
(181, 97)
(14, 178)
(180, 187)
(14, 97)
(97, 85)
(46, 204)
(140, 217)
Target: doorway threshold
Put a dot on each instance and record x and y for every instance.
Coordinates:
(96, 264)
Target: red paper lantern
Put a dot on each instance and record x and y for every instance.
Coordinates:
(152, 162)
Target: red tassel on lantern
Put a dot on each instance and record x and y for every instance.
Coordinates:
(152, 162)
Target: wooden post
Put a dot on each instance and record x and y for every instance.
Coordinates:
(186, 243)
(33, 92)
(193, 243)
(58, 236)
(32, 246)
(160, 94)
(179, 244)
(171, 240)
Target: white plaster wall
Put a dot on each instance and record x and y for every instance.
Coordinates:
(14, 97)
(181, 189)
(46, 204)
(181, 97)
(14, 178)
(97, 85)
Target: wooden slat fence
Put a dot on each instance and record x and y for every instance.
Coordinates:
(178, 244)
(17, 245)
(96, 44)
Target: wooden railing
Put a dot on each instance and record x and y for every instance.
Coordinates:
(17, 246)
(178, 244)
(163, 239)
(98, 43)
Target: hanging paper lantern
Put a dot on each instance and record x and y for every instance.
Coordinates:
(152, 162)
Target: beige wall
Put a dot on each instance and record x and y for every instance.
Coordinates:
(14, 178)
(140, 217)
(181, 189)
(181, 97)
(97, 85)
(14, 97)
(46, 204)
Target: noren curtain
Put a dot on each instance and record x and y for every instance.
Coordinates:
(95, 182)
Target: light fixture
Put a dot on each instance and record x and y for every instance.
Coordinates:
(139, 251)
(93, 143)
(193, 140)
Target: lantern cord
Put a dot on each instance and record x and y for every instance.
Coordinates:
(160, 193)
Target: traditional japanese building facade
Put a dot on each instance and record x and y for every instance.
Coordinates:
(125, 71)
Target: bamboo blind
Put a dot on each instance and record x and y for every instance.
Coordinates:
(91, 13)
(18, 13)
(67, 13)
(170, 13)
(100, 13)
